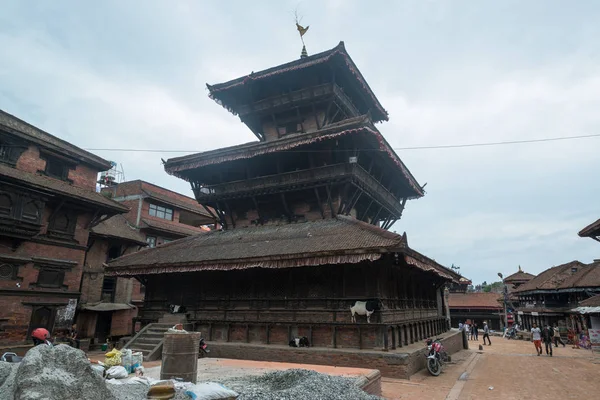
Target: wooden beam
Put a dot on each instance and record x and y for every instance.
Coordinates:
(300, 119)
(93, 219)
(56, 210)
(367, 210)
(319, 202)
(329, 200)
(257, 209)
(285, 207)
(344, 197)
(374, 221)
(230, 215)
(355, 201)
(326, 116)
(316, 116)
(347, 204)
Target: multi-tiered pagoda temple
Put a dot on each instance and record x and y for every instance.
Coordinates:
(305, 212)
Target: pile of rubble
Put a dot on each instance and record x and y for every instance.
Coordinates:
(62, 372)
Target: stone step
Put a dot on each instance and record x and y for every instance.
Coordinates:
(144, 352)
(143, 346)
(147, 340)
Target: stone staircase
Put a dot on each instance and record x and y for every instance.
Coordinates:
(149, 341)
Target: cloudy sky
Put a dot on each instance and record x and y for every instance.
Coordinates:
(132, 74)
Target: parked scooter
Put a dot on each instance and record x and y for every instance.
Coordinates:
(511, 334)
(436, 356)
(11, 358)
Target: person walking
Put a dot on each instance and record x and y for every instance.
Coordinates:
(467, 329)
(536, 336)
(557, 337)
(547, 336)
(486, 333)
(476, 331)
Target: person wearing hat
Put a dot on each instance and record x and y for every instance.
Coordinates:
(40, 336)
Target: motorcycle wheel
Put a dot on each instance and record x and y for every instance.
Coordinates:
(434, 367)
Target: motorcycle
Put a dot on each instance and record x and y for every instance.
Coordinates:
(11, 358)
(436, 356)
(203, 348)
(511, 334)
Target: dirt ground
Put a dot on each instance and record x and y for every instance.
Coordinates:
(511, 368)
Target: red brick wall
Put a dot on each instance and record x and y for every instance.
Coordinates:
(30, 160)
(121, 322)
(84, 177)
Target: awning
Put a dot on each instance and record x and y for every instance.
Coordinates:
(107, 307)
(586, 310)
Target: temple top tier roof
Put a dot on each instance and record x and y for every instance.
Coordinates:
(237, 94)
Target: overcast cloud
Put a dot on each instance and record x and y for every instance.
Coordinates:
(132, 74)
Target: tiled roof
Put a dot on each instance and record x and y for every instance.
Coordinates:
(20, 128)
(118, 227)
(173, 228)
(329, 241)
(592, 229)
(179, 166)
(593, 301)
(475, 300)
(567, 276)
(55, 186)
(191, 205)
(519, 276)
(225, 93)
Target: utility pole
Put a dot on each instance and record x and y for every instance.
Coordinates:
(504, 295)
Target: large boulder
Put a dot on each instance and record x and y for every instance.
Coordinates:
(58, 373)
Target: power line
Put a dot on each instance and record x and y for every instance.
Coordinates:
(449, 146)
(432, 147)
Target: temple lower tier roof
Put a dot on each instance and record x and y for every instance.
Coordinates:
(339, 240)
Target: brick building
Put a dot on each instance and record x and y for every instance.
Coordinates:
(108, 305)
(161, 215)
(305, 212)
(549, 296)
(476, 307)
(48, 204)
(156, 216)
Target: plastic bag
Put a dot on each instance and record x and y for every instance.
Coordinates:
(117, 372)
(137, 360)
(112, 358)
(210, 391)
(127, 360)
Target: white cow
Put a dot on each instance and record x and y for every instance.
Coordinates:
(365, 308)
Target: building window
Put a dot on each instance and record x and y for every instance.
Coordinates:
(109, 286)
(4, 152)
(113, 252)
(161, 212)
(8, 272)
(50, 278)
(151, 240)
(62, 226)
(56, 168)
(5, 204)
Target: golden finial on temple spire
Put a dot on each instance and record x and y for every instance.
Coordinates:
(302, 30)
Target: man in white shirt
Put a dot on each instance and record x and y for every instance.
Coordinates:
(536, 336)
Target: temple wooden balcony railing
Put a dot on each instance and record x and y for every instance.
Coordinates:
(300, 97)
(296, 180)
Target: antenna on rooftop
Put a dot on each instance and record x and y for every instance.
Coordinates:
(301, 30)
(111, 177)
